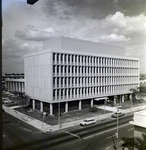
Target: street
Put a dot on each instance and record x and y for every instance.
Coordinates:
(94, 137)
(17, 133)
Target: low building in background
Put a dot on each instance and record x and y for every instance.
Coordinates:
(72, 74)
(139, 122)
(14, 82)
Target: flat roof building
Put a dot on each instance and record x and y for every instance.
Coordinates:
(75, 73)
(139, 122)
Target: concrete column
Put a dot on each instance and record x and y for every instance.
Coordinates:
(20, 87)
(90, 91)
(64, 82)
(91, 102)
(63, 59)
(59, 58)
(66, 107)
(16, 86)
(8, 85)
(33, 104)
(80, 105)
(13, 87)
(41, 103)
(71, 93)
(51, 109)
(77, 81)
(63, 93)
(63, 70)
(67, 94)
(23, 86)
(77, 92)
(55, 58)
(77, 62)
(71, 70)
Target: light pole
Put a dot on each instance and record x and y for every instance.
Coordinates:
(75, 135)
(117, 121)
(59, 115)
(44, 115)
(117, 134)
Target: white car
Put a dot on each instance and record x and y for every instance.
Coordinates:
(88, 122)
(119, 114)
(7, 101)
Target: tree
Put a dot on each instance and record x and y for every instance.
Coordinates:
(24, 99)
(139, 143)
(136, 94)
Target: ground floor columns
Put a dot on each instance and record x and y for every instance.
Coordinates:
(51, 109)
(41, 103)
(66, 107)
(122, 98)
(91, 102)
(80, 104)
(33, 104)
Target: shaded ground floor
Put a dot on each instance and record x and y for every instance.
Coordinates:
(64, 107)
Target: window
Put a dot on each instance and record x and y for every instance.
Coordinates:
(65, 57)
(61, 57)
(54, 69)
(79, 59)
(57, 57)
(57, 81)
(53, 93)
(72, 58)
(61, 81)
(53, 56)
(61, 69)
(68, 58)
(57, 69)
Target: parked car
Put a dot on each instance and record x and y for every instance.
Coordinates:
(119, 114)
(7, 101)
(88, 122)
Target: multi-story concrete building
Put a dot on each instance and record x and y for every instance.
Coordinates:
(76, 74)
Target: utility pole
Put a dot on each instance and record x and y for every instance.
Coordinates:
(59, 115)
(117, 121)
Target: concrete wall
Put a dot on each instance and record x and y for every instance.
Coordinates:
(70, 44)
(140, 118)
(38, 75)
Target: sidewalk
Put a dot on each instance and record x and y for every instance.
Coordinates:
(44, 127)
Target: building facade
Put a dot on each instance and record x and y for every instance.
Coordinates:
(76, 74)
(15, 85)
(14, 82)
(139, 122)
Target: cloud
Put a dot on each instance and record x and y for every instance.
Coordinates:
(35, 34)
(115, 38)
(11, 49)
(117, 20)
(26, 27)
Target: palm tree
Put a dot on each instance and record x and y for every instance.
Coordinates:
(136, 93)
(139, 143)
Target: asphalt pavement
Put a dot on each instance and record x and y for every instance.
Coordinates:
(45, 127)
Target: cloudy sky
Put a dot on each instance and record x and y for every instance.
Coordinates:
(116, 22)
